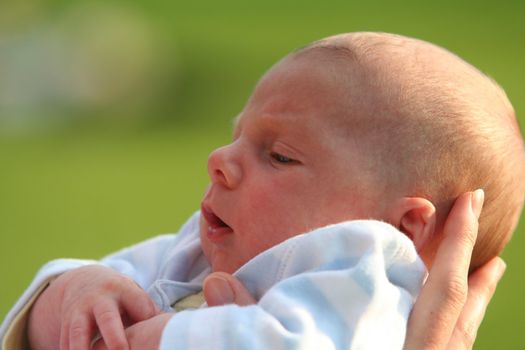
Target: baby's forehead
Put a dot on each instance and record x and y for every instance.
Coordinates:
(235, 124)
(383, 78)
(235, 121)
(300, 86)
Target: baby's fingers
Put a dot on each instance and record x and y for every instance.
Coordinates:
(137, 304)
(109, 322)
(76, 333)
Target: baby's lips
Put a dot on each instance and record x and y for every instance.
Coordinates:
(211, 218)
(216, 234)
(217, 229)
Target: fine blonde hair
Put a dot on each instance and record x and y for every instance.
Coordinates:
(444, 128)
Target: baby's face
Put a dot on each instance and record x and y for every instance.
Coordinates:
(287, 170)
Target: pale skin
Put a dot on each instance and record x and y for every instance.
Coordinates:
(272, 169)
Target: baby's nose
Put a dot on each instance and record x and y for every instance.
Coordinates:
(223, 167)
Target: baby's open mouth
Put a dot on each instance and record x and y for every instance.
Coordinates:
(213, 219)
(216, 227)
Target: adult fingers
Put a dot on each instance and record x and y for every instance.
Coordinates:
(481, 287)
(221, 288)
(137, 304)
(109, 322)
(442, 298)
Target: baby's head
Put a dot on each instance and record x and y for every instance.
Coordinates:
(359, 126)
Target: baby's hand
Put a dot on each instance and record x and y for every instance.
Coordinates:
(85, 302)
(143, 335)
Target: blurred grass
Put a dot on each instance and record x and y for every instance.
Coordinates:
(88, 181)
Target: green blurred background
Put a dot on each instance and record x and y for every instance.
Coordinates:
(108, 110)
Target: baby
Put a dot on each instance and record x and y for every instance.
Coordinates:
(365, 126)
(352, 127)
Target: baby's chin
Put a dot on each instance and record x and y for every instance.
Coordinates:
(219, 260)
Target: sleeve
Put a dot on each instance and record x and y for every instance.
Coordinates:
(352, 294)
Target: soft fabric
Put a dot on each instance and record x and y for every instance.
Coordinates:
(345, 286)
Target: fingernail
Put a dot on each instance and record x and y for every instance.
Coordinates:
(476, 201)
(220, 290)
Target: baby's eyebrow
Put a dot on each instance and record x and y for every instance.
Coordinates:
(235, 123)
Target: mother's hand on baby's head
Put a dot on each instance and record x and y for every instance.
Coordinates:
(451, 305)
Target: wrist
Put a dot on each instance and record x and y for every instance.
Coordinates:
(43, 323)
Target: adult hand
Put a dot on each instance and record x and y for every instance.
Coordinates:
(451, 305)
(86, 301)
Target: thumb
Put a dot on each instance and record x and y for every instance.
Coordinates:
(221, 288)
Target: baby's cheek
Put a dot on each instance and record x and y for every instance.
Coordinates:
(279, 190)
(274, 210)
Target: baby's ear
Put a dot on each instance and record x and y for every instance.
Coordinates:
(416, 218)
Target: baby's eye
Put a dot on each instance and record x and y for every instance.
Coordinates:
(282, 159)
